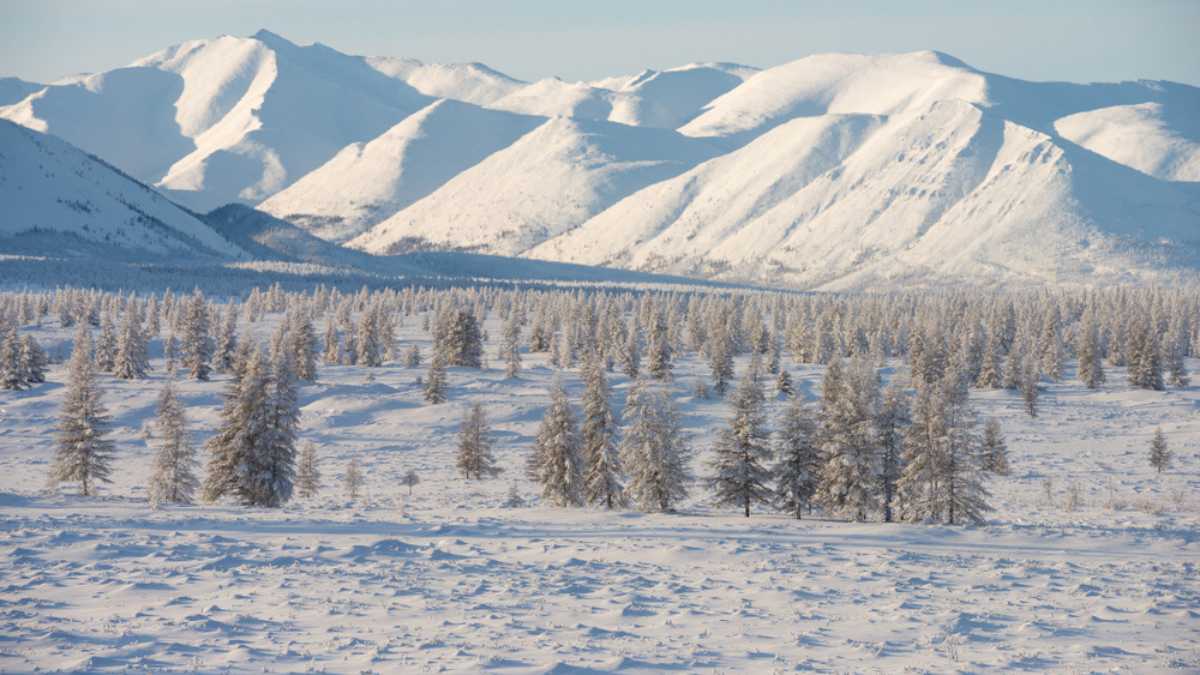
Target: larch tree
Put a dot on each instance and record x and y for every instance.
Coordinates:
(740, 476)
(308, 472)
(995, 449)
(556, 452)
(84, 454)
(173, 480)
(602, 466)
(653, 450)
(197, 343)
(1160, 452)
(354, 480)
(891, 422)
(131, 361)
(435, 381)
(13, 374)
(850, 397)
(475, 460)
(798, 460)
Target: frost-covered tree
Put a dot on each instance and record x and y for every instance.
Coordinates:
(84, 452)
(990, 370)
(457, 339)
(353, 480)
(308, 472)
(1029, 389)
(238, 449)
(740, 476)
(475, 460)
(105, 349)
(1091, 367)
(171, 353)
(556, 455)
(658, 357)
(602, 465)
(631, 356)
(1175, 349)
(720, 359)
(13, 374)
(849, 401)
(33, 360)
(131, 361)
(891, 422)
(1160, 452)
(798, 460)
(301, 344)
(995, 449)
(332, 355)
(653, 450)
(510, 348)
(435, 381)
(197, 343)
(173, 480)
(1145, 369)
(783, 384)
(226, 344)
(271, 474)
(942, 477)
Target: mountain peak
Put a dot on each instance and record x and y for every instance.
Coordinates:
(272, 39)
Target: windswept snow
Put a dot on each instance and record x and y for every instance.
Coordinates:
(470, 82)
(48, 187)
(1154, 138)
(451, 579)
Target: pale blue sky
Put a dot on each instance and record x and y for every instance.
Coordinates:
(1042, 40)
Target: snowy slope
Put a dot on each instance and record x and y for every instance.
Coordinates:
(14, 90)
(547, 182)
(50, 189)
(1154, 138)
(949, 192)
(470, 82)
(366, 183)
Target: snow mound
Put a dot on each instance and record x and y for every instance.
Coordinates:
(1155, 138)
(471, 82)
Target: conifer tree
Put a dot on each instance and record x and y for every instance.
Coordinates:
(849, 403)
(740, 476)
(105, 349)
(1145, 369)
(475, 460)
(1091, 368)
(33, 360)
(659, 353)
(354, 480)
(308, 473)
(1160, 453)
(783, 384)
(510, 348)
(412, 357)
(302, 345)
(1175, 348)
(235, 451)
(995, 449)
(1029, 389)
(173, 479)
(131, 362)
(197, 344)
(410, 479)
(458, 340)
(13, 375)
(171, 353)
(798, 464)
(891, 422)
(435, 381)
(720, 359)
(333, 347)
(227, 340)
(653, 450)
(990, 371)
(556, 453)
(84, 453)
(631, 357)
(602, 465)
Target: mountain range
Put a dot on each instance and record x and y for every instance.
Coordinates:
(834, 171)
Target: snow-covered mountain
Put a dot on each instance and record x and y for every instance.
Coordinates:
(58, 198)
(835, 170)
(543, 185)
(366, 183)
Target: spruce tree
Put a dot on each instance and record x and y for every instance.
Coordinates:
(1029, 389)
(558, 461)
(602, 465)
(475, 460)
(783, 384)
(308, 473)
(33, 360)
(659, 353)
(173, 479)
(511, 346)
(1160, 453)
(1091, 368)
(237, 451)
(798, 464)
(740, 476)
(84, 452)
(302, 345)
(227, 341)
(105, 349)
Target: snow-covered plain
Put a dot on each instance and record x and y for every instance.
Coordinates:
(450, 579)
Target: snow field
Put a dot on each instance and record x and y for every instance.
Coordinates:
(450, 579)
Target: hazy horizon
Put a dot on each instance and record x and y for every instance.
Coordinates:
(1070, 41)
